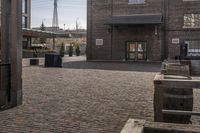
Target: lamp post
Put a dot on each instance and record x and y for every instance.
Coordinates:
(64, 26)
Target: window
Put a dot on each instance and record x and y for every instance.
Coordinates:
(136, 51)
(136, 1)
(192, 20)
(24, 22)
(193, 48)
(24, 6)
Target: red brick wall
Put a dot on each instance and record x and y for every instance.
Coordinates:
(159, 46)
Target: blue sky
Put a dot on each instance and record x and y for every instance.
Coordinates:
(68, 12)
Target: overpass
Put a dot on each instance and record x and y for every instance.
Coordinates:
(28, 34)
(46, 34)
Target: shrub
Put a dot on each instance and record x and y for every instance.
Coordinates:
(78, 50)
(62, 50)
(70, 51)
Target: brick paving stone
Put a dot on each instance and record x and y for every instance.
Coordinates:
(83, 97)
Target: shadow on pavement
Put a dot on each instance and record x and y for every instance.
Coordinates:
(130, 66)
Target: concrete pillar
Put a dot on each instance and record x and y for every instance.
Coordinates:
(11, 53)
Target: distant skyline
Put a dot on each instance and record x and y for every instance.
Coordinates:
(68, 12)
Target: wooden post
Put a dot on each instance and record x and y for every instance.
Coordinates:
(158, 104)
(11, 52)
(5, 50)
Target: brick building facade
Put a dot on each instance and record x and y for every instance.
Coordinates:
(143, 29)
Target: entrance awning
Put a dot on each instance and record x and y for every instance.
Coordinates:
(136, 19)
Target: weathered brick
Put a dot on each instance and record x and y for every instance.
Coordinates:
(158, 46)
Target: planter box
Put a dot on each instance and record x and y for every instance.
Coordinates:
(53, 60)
(34, 62)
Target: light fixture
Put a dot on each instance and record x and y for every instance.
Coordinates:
(156, 30)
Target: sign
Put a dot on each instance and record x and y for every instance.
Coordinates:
(175, 40)
(99, 42)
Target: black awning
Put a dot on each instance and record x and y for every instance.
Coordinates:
(136, 19)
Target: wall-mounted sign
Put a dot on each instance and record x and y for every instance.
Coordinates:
(99, 42)
(175, 40)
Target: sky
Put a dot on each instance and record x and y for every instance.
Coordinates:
(68, 12)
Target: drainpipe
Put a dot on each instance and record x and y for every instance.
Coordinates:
(89, 51)
(112, 32)
(165, 24)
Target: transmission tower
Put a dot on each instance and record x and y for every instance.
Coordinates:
(55, 14)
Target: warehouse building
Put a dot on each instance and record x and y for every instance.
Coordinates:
(146, 30)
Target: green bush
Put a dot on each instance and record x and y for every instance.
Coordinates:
(62, 50)
(70, 51)
(78, 50)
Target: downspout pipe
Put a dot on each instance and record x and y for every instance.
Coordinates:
(112, 32)
(165, 47)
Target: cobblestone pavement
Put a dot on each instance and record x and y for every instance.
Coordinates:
(83, 97)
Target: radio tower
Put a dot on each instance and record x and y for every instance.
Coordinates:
(55, 15)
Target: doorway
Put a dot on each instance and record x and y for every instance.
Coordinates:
(136, 50)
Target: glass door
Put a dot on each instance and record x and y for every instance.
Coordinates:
(136, 51)
(131, 51)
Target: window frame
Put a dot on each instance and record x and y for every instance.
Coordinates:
(24, 22)
(192, 54)
(190, 27)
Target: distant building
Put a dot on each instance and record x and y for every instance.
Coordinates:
(81, 33)
(26, 19)
(26, 13)
(54, 29)
(143, 29)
